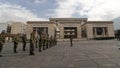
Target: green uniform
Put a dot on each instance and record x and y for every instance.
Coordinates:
(32, 41)
(40, 42)
(71, 39)
(47, 41)
(51, 41)
(2, 40)
(36, 41)
(24, 39)
(15, 40)
(44, 41)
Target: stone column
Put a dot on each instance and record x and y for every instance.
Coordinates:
(95, 32)
(103, 32)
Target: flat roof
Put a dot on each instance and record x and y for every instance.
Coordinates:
(28, 22)
(67, 19)
(99, 21)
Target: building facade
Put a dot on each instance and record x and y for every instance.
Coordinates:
(18, 27)
(94, 29)
(79, 28)
(3, 26)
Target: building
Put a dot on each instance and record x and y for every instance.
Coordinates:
(3, 26)
(18, 27)
(79, 28)
(94, 29)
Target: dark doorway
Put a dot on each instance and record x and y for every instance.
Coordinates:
(41, 29)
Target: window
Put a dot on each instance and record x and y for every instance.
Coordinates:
(68, 31)
(99, 30)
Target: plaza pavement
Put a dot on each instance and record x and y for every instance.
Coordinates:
(83, 54)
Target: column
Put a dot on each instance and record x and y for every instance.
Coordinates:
(103, 32)
(95, 32)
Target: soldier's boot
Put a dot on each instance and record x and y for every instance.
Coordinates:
(47, 46)
(24, 48)
(31, 53)
(40, 50)
(15, 51)
(0, 50)
(0, 55)
(15, 47)
(119, 48)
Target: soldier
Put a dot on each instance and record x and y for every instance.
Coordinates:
(2, 41)
(47, 41)
(24, 40)
(71, 39)
(15, 41)
(40, 41)
(51, 41)
(36, 41)
(44, 41)
(32, 41)
(55, 40)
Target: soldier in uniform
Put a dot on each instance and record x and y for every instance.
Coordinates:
(47, 41)
(71, 39)
(2, 40)
(40, 41)
(15, 41)
(24, 40)
(51, 41)
(55, 40)
(36, 41)
(44, 41)
(32, 41)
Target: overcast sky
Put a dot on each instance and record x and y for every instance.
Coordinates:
(23, 10)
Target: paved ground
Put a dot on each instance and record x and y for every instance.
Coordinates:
(84, 54)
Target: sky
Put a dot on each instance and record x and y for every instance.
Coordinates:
(24, 10)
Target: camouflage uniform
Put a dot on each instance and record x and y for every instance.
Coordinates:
(44, 41)
(47, 41)
(15, 41)
(36, 41)
(51, 41)
(2, 40)
(24, 39)
(40, 42)
(32, 41)
(55, 40)
(71, 39)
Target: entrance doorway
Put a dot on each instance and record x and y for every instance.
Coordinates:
(68, 31)
(41, 29)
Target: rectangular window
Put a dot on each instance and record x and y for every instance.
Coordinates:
(68, 31)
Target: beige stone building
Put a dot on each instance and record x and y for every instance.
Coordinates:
(79, 28)
(18, 27)
(94, 29)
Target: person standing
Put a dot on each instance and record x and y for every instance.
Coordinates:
(40, 42)
(44, 41)
(32, 41)
(51, 41)
(71, 40)
(36, 40)
(15, 41)
(24, 40)
(2, 41)
(47, 41)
